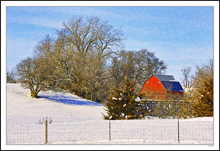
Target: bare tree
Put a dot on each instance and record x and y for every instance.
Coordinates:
(138, 65)
(38, 73)
(92, 35)
(35, 75)
(11, 77)
(153, 65)
(80, 53)
(203, 73)
(186, 74)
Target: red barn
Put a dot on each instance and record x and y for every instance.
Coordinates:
(158, 86)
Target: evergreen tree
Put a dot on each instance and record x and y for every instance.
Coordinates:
(204, 105)
(121, 104)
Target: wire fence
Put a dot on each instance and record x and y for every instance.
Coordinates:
(157, 131)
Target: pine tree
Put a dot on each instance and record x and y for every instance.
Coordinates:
(204, 105)
(121, 104)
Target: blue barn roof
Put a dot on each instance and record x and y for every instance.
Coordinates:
(172, 86)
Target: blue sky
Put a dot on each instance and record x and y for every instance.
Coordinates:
(181, 36)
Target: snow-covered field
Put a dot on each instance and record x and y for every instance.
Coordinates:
(79, 121)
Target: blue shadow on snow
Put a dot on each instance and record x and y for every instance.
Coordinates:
(69, 100)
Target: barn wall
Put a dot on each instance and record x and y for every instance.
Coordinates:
(153, 88)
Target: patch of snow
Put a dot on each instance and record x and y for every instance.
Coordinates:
(138, 99)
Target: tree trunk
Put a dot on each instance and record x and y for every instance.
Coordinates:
(91, 96)
(34, 94)
(86, 93)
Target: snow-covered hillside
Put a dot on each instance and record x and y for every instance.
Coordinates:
(61, 107)
(79, 121)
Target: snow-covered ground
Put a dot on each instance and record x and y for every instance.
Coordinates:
(21, 108)
(79, 121)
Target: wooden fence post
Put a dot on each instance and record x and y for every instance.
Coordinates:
(46, 132)
(178, 130)
(109, 125)
(178, 125)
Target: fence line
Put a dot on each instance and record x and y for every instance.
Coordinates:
(163, 130)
